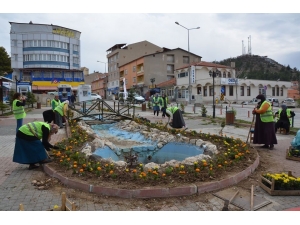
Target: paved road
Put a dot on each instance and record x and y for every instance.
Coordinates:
(16, 188)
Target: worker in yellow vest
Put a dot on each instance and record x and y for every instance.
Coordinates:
(18, 109)
(61, 113)
(29, 149)
(284, 118)
(264, 131)
(55, 102)
(175, 115)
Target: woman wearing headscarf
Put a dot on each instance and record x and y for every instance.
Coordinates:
(61, 112)
(264, 130)
(175, 115)
(18, 109)
(284, 116)
(29, 149)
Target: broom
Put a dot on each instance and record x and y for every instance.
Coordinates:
(250, 127)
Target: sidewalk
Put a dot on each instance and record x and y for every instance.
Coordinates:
(16, 188)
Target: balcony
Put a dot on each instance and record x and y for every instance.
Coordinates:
(140, 73)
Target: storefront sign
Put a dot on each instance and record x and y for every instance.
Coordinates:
(229, 81)
(63, 32)
(193, 75)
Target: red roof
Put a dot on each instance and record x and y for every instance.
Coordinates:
(167, 83)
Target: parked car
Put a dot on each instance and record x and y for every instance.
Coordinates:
(138, 99)
(95, 96)
(274, 101)
(290, 103)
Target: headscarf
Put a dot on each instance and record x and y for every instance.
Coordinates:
(53, 128)
(284, 107)
(261, 97)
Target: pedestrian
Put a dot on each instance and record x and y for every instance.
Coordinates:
(156, 102)
(73, 99)
(61, 113)
(174, 113)
(284, 116)
(164, 105)
(18, 109)
(264, 129)
(55, 102)
(29, 149)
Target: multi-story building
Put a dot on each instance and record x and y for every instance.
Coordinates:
(44, 55)
(121, 54)
(148, 70)
(98, 83)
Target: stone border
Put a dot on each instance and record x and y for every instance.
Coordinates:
(154, 192)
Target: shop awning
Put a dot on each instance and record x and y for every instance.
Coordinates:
(47, 88)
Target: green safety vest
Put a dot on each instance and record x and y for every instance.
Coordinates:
(172, 109)
(156, 99)
(18, 111)
(56, 103)
(288, 113)
(268, 115)
(60, 109)
(34, 129)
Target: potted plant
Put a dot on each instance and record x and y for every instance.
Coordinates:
(203, 111)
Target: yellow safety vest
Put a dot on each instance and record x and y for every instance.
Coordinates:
(268, 115)
(172, 109)
(34, 129)
(60, 109)
(18, 111)
(288, 113)
(56, 103)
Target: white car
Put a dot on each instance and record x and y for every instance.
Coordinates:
(290, 103)
(95, 96)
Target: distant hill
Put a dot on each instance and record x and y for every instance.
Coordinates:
(261, 68)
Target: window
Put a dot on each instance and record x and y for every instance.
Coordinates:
(125, 72)
(281, 91)
(16, 57)
(211, 91)
(242, 91)
(230, 90)
(186, 59)
(170, 58)
(134, 80)
(205, 91)
(277, 91)
(133, 69)
(183, 74)
(170, 69)
(224, 74)
(199, 90)
(14, 42)
(229, 75)
(47, 75)
(261, 90)
(248, 91)
(75, 47)
(273, 91)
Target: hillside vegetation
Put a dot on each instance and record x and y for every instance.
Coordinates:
(261, 68)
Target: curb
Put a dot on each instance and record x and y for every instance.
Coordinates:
(154, 192)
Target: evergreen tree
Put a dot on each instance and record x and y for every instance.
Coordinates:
(5, 62)
(131, 94)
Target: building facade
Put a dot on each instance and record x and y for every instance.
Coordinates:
(120, 54)
(226, 86)
(44, 55)
(156, 68)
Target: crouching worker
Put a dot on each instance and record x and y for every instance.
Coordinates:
(29, 149)
(175, 115)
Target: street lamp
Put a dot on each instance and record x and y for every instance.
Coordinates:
(152, 81)
(104, 63)
(189, 77)
(214, 74)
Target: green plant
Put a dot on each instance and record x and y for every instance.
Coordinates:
(203, 110)
(234, 111)
(3, 107)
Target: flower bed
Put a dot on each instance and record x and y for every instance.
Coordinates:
(233, 156)
(293, 154)
(280, 183)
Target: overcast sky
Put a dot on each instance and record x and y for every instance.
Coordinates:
(220, 36)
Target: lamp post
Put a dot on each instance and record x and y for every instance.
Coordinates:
(104, 64)
(213, 74)
(152, 81)
(189, 77)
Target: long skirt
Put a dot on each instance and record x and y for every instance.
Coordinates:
(264, 133)
(178, 121)
(27, 152)
(48, 116)
(283, 124)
